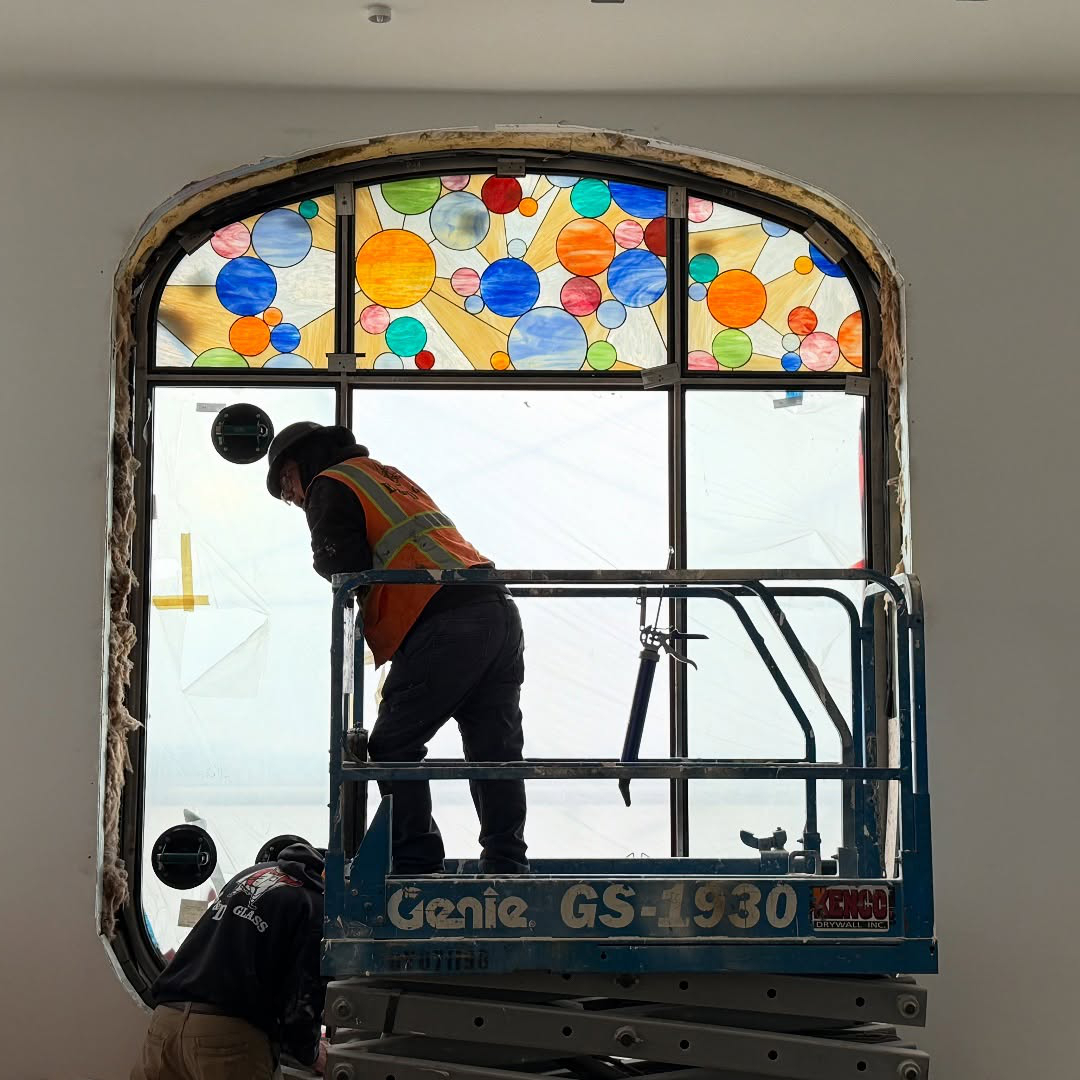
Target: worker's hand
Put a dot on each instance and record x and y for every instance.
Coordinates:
(320, 1058)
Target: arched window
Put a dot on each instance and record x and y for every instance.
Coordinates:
(591, 361)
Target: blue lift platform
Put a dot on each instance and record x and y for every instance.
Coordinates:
(785, 963)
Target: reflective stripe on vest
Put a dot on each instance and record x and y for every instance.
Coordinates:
(414, 530)
(372, 489)
(405, 529)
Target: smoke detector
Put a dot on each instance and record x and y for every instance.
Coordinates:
(379, 13)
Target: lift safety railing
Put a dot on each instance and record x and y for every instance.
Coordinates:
(895, 603)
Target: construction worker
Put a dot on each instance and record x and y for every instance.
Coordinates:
(456, 651)
(245, 985)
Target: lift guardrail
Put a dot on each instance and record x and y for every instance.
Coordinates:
(867, 911)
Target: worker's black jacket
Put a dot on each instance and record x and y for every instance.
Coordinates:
(254, 954)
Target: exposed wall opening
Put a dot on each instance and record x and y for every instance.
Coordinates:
(595, 352)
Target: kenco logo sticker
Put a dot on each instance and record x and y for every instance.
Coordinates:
(869, 908)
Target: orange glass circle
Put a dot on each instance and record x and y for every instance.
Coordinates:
(804, 264)
(395, 268)
(272, 316)
(527, 207)
(585, 247)
(500, 361)
(249, 336)
(736, 298)
(850, 338)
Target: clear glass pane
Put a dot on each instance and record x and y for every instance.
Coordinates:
(259, 293)
(238, 653)
(772, 482)
(763, 298)
(550, 480)
(537, 273)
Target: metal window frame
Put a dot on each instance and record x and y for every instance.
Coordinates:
(135, 952)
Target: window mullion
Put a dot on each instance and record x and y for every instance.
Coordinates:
(677, 350)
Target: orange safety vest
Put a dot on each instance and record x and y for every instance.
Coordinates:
(405, 530)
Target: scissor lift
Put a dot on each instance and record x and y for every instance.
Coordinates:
(791, 963)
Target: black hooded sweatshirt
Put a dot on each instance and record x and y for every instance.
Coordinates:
(254, 954)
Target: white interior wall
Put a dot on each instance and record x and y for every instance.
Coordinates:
(976, 197)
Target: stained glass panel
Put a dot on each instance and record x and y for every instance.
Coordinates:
(258, 294)
(763, 298)
(537, 273)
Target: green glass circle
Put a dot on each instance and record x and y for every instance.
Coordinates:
(590, 197)
(309, 208)
(219, 358)
(704, 268)
(415, 196)
(732, 348)
(406, 336)
(601, 355)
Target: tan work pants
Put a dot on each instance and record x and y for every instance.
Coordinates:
(185, 1045)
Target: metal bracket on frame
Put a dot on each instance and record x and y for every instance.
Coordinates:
(676, 203)
(825, 242)
(342, 361)
(510, 167)
(858, 385)
(192, 241)
(653, 378)
(345, 199)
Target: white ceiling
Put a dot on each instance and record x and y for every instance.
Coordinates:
(555, 45)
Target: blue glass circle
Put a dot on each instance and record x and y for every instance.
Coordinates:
(509, 287)
(637, 278)
(516, 248)
(287, 360)
(638, 201)
(388, 361)
(460, 220)
(826, 266)
(773, 229)
(791, 361)
(611, 314)
(698, 291)
(474, 304)
(564, 181)
(246, 286)
(285, 337)
(281, 238)
(547, 339)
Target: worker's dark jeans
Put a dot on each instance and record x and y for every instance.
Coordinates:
(466, 663)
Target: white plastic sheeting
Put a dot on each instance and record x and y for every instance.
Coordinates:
(768, 487)
(237, 724)
(237, 717)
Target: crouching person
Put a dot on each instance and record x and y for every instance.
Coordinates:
(244, 986)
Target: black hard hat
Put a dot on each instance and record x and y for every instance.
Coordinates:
(270, 851)
(285, 440)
